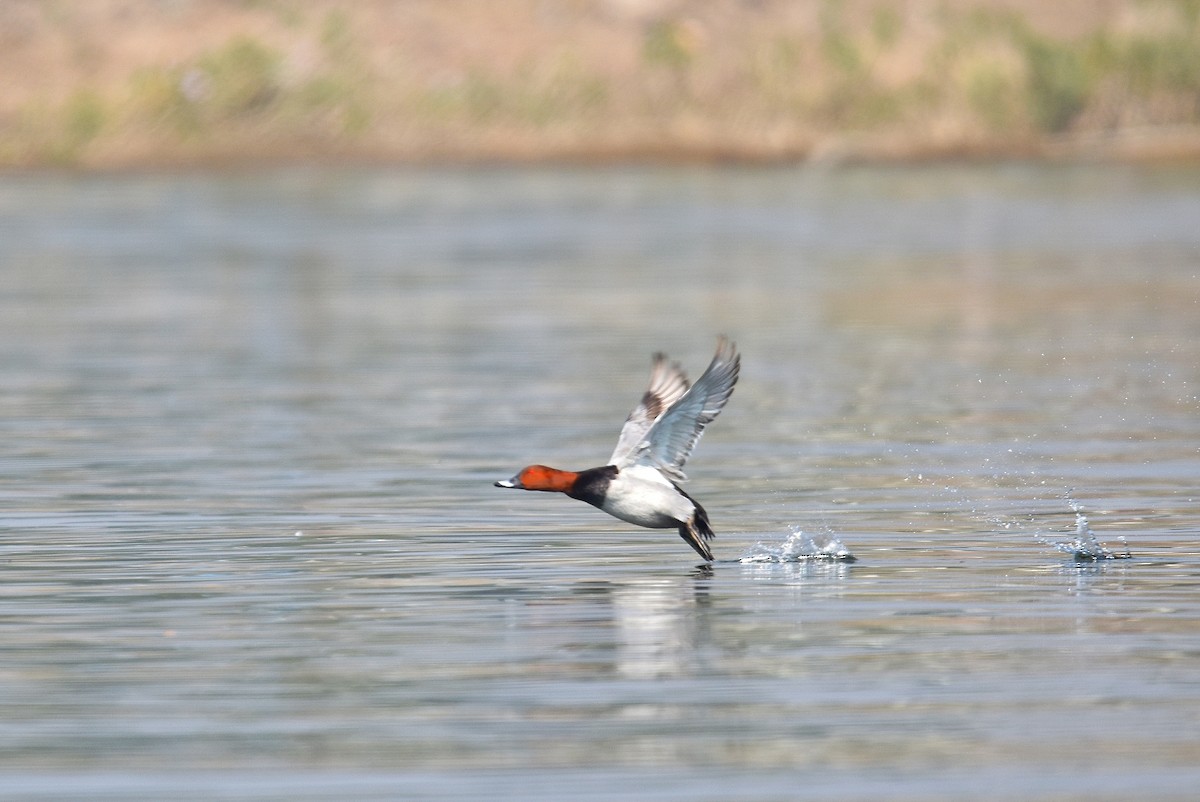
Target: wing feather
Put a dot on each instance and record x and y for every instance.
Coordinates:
(669, 440)
(668, 383)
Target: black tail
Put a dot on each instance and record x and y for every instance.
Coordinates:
(696, 532)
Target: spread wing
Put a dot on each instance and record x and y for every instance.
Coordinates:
(667, 385)
(668, 441)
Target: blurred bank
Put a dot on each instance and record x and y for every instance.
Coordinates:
(143, 83)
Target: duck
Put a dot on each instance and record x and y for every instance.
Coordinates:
(640, 482)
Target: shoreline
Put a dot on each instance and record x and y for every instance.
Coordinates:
(1177, 145)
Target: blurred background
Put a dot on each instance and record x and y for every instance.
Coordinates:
(141, 82)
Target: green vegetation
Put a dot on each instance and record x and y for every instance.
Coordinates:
(157, 93)
(236, 81)
(1059, 83)
(1011, 80)
(241, 83)
(85, 118)
(667, 43)
(1167, 63)
(992, 95)
(886, 26)
(536, 98)
(60, 134)
(336, 37)
(241, 78)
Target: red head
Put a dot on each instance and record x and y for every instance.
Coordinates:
(540, 477)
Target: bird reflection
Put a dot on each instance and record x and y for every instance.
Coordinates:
(659, 625)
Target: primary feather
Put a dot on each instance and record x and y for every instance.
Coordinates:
(665, 440)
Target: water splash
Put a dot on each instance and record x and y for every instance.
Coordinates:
(800, 546)
(1084, 546)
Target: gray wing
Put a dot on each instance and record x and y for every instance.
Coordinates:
(667, 385)
(669, 440)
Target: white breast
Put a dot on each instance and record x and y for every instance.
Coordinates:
(640, 495)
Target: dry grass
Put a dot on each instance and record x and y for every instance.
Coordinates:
(114, 83)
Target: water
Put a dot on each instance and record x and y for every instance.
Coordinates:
(250, 546)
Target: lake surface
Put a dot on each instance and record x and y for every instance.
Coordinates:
(250, 546)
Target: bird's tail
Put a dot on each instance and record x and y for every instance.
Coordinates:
(696, 532)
